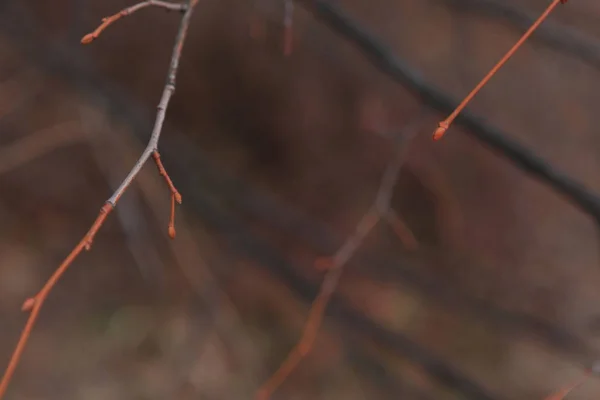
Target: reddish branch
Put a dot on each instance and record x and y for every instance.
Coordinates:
(130, 10)
(34, 304)
(562, 393)
(334, 265)
(445, 124)
(175, 196)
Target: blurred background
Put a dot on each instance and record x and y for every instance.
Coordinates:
(277, 159)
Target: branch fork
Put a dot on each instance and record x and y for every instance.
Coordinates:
(34, 304)
(335, 264)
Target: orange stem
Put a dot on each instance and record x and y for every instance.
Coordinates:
(34, 304)
(444, 125)
(561, 394)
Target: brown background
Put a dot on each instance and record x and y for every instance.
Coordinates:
(142, 317)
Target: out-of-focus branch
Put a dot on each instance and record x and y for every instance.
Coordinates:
(129, 211)
(37, 144)
(554, 35)
(243, 243)
(34, 304)
(391, 65)
(302, 226)
(335, 265)
(564, 392)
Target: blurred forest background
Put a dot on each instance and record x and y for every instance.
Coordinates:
(277, 158)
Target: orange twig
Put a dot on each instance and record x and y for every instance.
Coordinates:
(175, 195)
(163, 172)
(444, 125)
(562, 393)
(34, 304)
(106, 22)
(334, 267)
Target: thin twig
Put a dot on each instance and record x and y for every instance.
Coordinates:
(186, 254)
(35, 303)
(445, 124)
(107, 21)
(129, 212)
(243, 243)
(560, 37)
(562, 393)
(381, 57)
(175, 196)
(335, 265)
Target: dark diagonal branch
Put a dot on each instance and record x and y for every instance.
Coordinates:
(445, 124)
(556, 36)
(388, 63)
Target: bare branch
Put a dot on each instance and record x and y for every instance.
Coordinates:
(335, 266)
(107, 21)
(175, 196)
(445, 124)
(35, 303)
(381, 57)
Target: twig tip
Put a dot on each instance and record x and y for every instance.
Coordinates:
(28, 304)
(440, 131)
(89, 38)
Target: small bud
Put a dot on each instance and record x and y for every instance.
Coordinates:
(28, 304)
(87, 38)
(440, 131)
(172, 232)
(177, 197)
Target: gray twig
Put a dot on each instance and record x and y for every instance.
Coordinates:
(336, 264)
